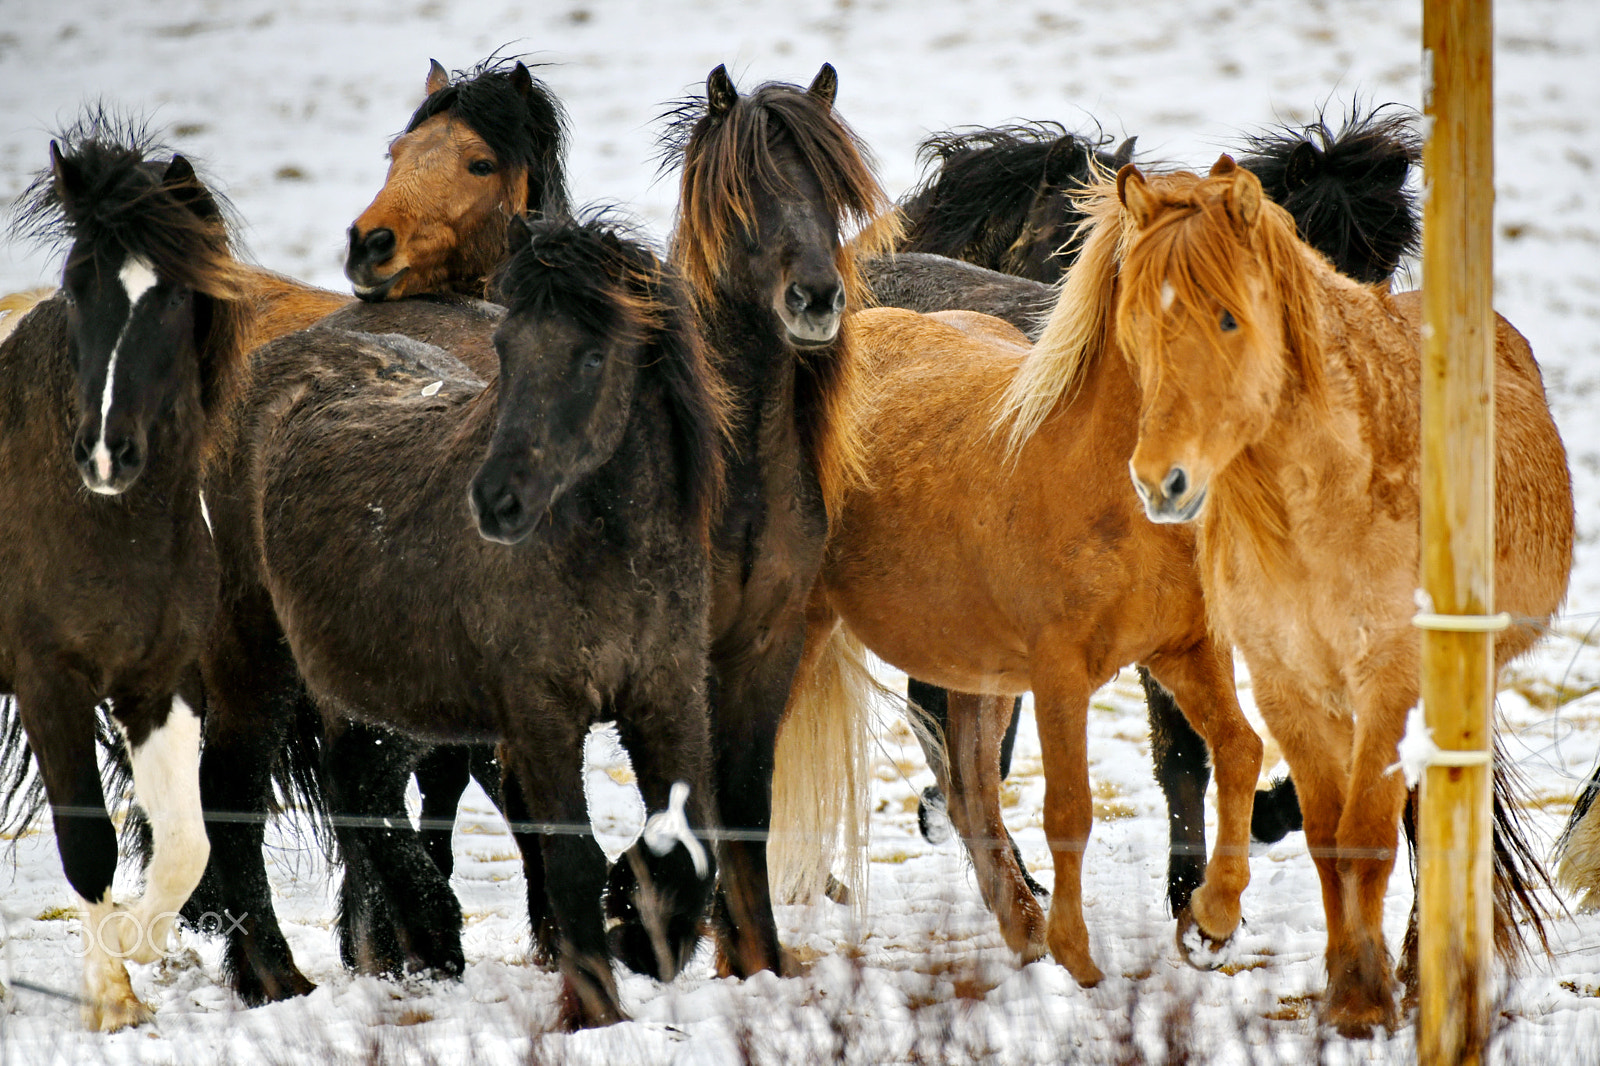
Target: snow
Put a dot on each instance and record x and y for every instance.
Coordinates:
(290, 105)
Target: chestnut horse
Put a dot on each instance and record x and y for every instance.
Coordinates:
(997, 569)
(480, 149)
(1299, 467)
(116, 386)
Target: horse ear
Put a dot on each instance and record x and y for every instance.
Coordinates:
(438, 78)
(1223, 165)
(1305, 160)
(720, 93)
(69, 183)
(1124, 153)
(181, 181)
(1136, 195)
(518, 234)
(1061, 163)
(1242, 198)
(825, 86)
(521, 80)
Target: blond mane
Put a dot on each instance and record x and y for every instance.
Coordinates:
(1080, 324)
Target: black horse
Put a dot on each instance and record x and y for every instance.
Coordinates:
(109, 396)
(421, 587)
(1002, 201)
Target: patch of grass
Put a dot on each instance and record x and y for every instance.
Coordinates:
(1546, 696)
(56, 914)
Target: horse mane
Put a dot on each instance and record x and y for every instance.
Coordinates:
(724, 159)
(1346, 191)
(979, 183)
(184, 230)
(1189, 255)
(1080, 325)
(528, 131)
(597, 271)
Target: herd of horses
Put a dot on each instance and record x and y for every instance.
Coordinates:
(541, 477)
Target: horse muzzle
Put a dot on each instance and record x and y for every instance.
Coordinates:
(812, 317)
(1176, 499)
(108, 467)
(369, 252)
(507, 506)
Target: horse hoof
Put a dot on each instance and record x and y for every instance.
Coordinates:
(1199, 948)
(121, 1012)
(933, 816)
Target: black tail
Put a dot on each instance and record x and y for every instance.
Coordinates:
(1346, 191)
(297, 775)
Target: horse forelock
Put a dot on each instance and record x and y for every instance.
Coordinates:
(726, 158)
(526, 132)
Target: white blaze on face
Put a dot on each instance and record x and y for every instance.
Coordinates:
(137, 279)
(1168, 294)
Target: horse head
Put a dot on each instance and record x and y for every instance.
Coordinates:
(148, 261)
(477, 152)
(768, 179)
(1201, 314)
(590, 317)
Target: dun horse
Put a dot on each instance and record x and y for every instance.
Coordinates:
(516, 562)
(1346, 191)
(113, 390)
(1279, 415)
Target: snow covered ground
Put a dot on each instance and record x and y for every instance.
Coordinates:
(290, 103)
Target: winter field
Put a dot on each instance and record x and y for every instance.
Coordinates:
(290, 105)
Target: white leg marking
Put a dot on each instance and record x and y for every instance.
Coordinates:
(137, 278)
(166, 780)
(108, 1000)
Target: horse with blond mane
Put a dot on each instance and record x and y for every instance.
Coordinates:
(1279, 417)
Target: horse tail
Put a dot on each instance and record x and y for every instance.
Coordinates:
(1519, 875)
(298, 781)
(1579, 847)
(21, 791)
(819, 780)
(1346, 191)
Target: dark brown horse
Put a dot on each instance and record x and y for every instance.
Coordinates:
(513, 562)
(770, 180)
(110, 393)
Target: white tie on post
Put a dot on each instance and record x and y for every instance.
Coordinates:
(670, 828)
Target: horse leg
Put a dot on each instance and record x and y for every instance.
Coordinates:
(396, 909)
(1182, 770)
(164, 748)
(1361, 991)
(660, 886)
(254, 699)
(57, 711)
(973, 738)
(1061, 704)
(1201, 680)
(541, 919)
(573, 868)
(1316, 740)
(442, 776)
(748, 698)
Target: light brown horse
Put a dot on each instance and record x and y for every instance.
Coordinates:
(1280, 416)
(997, 566)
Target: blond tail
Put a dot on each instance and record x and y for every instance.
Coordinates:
(820, 787)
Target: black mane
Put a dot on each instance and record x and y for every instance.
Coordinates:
(1346, 191)
(527, 132)
(183, 230)
(979, 185)
(599, 271)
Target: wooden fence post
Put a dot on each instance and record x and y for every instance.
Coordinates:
(1455, 855)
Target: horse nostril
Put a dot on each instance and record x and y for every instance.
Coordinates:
(1176, 484)
(379, 244)
(838, 300)
(506, 509)
(80, 451)
(797, 299)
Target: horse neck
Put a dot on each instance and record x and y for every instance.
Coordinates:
(762, 374)
(282, 305)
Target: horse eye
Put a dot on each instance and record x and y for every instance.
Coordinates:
(178, 298)
(592, 360)
(1229, 324)
(481, 167)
